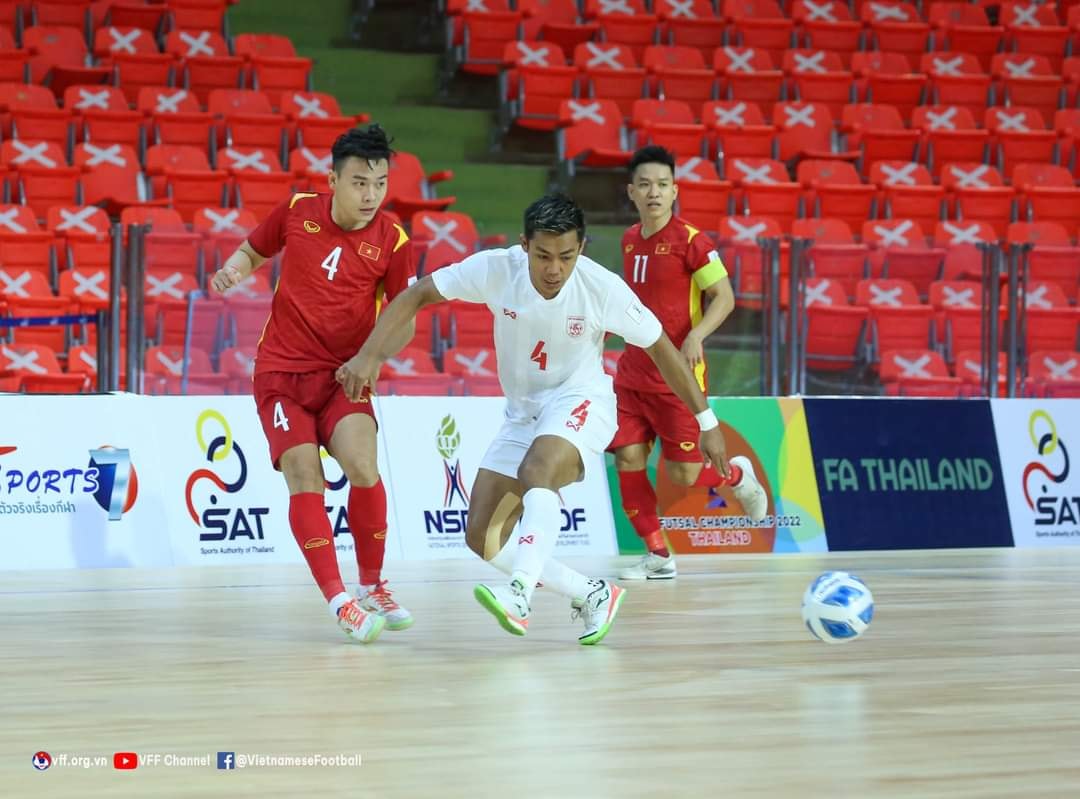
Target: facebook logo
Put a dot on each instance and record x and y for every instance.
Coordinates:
(226, 760)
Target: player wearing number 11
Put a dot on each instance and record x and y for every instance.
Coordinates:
(552, 308)
(669, 265)
(343, 257)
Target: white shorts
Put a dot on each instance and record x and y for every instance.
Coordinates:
(585, 420)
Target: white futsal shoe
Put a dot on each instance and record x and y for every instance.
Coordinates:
(378, 599)
(507, 603)
(650, 567)
(598, 610)
(749, 492)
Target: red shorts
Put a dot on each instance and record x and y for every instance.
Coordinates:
(645, 415)
(302, 408)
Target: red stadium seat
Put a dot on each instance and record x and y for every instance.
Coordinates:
(836, 192)
(190, 191)
(908, 192)
(263, 45)
(591, 135)
(446, 238)
(965, 28)
(905, 366)
(260, 192)
(198, 15)
(410, 362)
(301, 105)
(748, 73)
(412, 189)
(277, 76)
(470, 361)
(135, 72)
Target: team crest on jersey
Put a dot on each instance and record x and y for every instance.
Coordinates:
(369, 251)
(629, 248)
(663, 248)
(687, 446)
(575, 326)
(311, 227)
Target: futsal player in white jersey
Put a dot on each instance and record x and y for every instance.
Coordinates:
(552, 308)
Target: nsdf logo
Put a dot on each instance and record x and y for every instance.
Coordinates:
(448, 518)
(1045, 478)
(217, 513)
(453, 517)
(109, 477)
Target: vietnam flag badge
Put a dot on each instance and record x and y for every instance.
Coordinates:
(369, 251)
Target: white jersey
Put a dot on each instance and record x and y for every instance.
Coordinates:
(544, 347)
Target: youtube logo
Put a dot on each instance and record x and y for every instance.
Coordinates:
(125, 760)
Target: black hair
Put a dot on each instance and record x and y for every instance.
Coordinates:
(370, 143)
(653, 154)
(554, 213)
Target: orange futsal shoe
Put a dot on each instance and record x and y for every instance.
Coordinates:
(360, 626)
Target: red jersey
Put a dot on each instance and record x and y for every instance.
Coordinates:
(332, 282)
(668, 271)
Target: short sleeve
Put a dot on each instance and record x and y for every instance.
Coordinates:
(625, 316)
(402, 269)
(269, 237)
(704, 262)
(466, 280)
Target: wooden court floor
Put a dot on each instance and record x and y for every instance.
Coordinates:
(966, 685)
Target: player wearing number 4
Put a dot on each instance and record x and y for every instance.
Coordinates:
(552, 308)
(669, 264)
(343, 257)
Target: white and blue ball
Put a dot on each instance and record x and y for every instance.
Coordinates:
(837, 607)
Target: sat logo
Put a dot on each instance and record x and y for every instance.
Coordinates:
(225, 523)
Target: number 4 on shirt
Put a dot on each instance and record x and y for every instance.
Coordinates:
(330, 263)
(539, 356)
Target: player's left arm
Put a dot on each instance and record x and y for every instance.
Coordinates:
(713, 280)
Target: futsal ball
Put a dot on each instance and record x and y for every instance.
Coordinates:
(837, 607)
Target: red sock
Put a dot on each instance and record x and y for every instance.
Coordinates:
(709, 477)
(367, 520)
(639, 504)
(311, 529)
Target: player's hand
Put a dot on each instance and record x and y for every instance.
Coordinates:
(693, 350)
(714, 451)
(226, 278)
(358, 374)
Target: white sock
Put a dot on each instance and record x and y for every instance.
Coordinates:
(574, 585)
(556, 576)
(504, 558)
(338, 602)
(538, 532)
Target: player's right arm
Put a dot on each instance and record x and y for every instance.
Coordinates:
(467, 280)
(265, 240)
(237, 268)
(362, 370)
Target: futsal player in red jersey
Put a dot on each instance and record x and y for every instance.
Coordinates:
(343, 257)
(669, 264)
